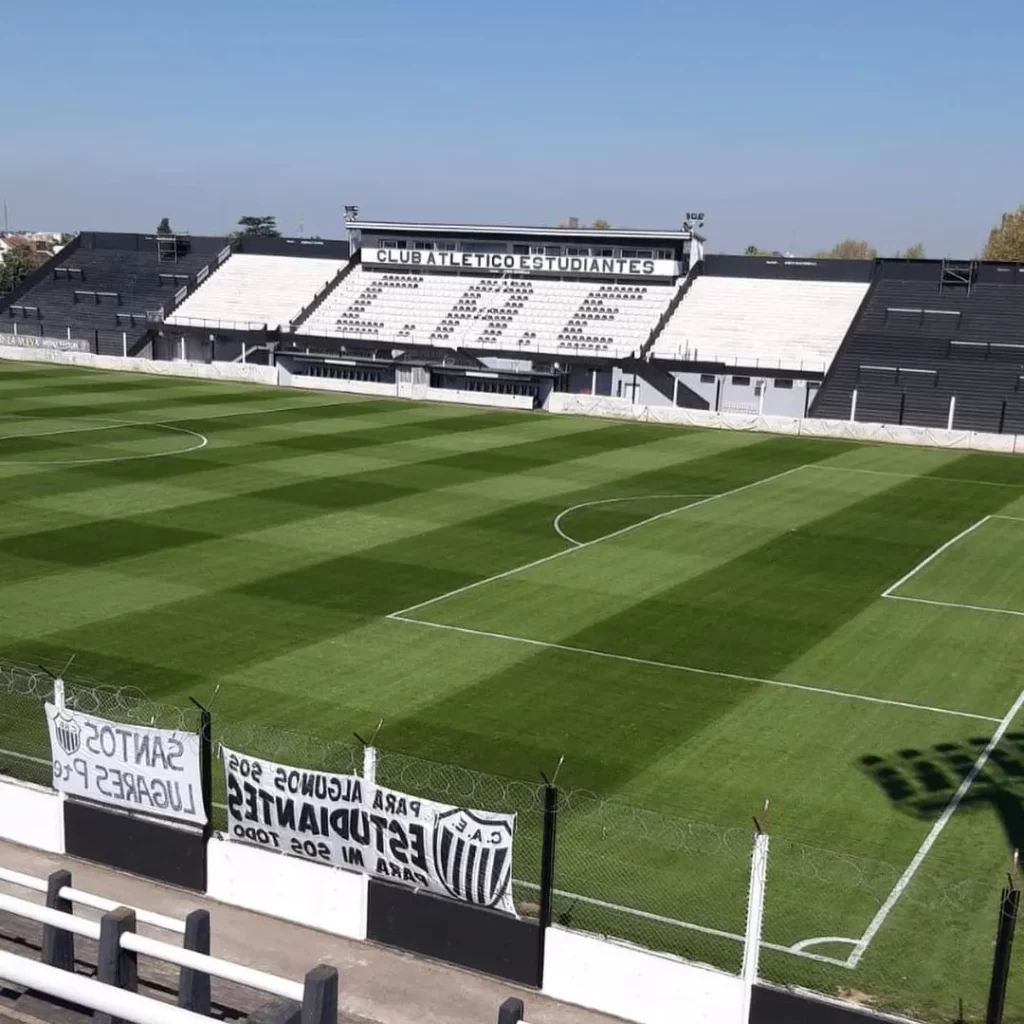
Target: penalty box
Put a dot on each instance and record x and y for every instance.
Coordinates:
(979, 569)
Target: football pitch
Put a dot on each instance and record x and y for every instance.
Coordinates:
(696, 621)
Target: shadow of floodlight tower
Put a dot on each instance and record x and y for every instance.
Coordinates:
(924, 781)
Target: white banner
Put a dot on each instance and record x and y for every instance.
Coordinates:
(503, 262)
(155, 771)
(348, 823)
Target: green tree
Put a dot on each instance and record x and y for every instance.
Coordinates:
(912, 252)
(848, 249)
(600, 225)
(18, 263)
(1006, 242)
(753, 250)
(164, 227)
(264, 227)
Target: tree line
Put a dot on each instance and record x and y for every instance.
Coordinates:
(1005, 242)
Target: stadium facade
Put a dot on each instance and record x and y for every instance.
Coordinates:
(509, 315)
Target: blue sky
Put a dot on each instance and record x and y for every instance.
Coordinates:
(792, 124)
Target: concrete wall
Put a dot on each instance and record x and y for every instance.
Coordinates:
(31, 815)
(635, 984)
(314, 895)
(876, 433)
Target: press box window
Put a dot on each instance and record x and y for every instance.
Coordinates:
(708, 378)
(741, 382)
(786, 385)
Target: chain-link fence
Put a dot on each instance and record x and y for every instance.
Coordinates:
(917, 942)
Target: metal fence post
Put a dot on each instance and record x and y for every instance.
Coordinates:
(1009, 902)
(511, 1011)
(320, 996)
(115, 965)
(755, 919)
(547, 873)
(193, 985)
(58, 944)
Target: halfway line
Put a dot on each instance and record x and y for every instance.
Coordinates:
(589, 543)
(733, 676)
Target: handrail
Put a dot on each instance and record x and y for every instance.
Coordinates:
(219, 968)
(108, 999)
(87, 899)
(214, 965)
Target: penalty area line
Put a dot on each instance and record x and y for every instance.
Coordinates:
(691, 669)
(936, 830)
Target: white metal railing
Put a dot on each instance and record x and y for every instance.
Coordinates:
(229, 971)
(87, 899)
(95, 994)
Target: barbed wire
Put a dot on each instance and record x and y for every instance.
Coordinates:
(590, 825)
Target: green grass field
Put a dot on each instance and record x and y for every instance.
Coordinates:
(695, 620)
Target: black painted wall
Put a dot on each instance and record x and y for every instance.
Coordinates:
(770, 1005)
(143, 846)
(458, 933)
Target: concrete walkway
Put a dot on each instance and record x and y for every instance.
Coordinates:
(375, 984)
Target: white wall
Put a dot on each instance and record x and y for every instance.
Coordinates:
(325, 898)
(635, 984)
(31, 815)
(879, 433)
(558, 402)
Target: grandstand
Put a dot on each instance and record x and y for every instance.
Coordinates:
(256, 292)
(106, 288)
(761, 322)
(938, 344)
(642, 316)
(517, 314)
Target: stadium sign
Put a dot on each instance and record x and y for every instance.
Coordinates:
(510, 263)
(135, 767)
(347, 822)
(57, 344)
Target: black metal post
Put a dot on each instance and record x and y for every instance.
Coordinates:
(511, 1011)
(1009, 903)
(320, 996)
(903, 405)
(547, 872)
(116, 965)
(1002, 416)
(193, 985)
(58, 944)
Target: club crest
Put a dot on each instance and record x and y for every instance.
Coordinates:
(69, 734)
(473, 855)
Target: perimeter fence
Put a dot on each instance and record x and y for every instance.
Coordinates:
(851, 927)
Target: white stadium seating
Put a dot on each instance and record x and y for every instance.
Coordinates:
(249, 291)
(520, 314)
(752, 322)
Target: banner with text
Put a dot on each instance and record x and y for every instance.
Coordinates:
(137, 767)
(513, 263)
(346, 822)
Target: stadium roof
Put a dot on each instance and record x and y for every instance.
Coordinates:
(519, 229)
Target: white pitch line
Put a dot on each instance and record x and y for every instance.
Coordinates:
(935, 554)
(934, 833)
(794, 950)
(202, 438)
(588, 543)
(732, 676)
(954, 604)
(608, 501)
(53, 433)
